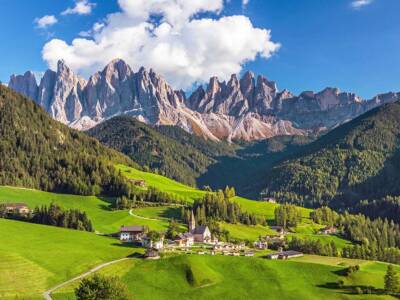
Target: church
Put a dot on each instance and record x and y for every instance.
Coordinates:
(201, 234)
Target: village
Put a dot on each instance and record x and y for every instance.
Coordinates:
(199, 240)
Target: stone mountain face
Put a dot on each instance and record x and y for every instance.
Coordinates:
(248, 108)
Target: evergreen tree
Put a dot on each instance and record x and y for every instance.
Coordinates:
(391, 280)
(99, 287)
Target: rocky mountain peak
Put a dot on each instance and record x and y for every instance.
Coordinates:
(247, 108)
(247, 84)
(25, 84)
(214, 86)
(117, 68)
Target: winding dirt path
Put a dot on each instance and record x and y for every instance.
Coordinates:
(47, 294)
(141, 217)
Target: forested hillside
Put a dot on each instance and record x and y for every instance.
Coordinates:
(248, 168)
(167, 150)
(38, 152)
(359, 160)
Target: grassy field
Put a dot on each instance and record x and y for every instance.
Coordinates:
(222, 277)
(98, 209)
(165, 184)
(160, 212)
(36, 257)
(243, 232)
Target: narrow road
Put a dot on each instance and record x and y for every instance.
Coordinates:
(47, 294)
(140, 217)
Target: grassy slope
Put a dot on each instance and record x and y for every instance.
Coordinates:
(222, 277)
(98, 209)
(36, 257)
(163, 183)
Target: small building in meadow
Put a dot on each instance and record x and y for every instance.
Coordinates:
(328, 230)
(284, 254)
(132, 233)
(19, 208)
(138, 182)
(152, 253)
(268, 199)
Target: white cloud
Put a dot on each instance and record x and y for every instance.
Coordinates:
(95, 28)
(245, 2)
(46, 21)
(360, 3)
(170, 37)
(82, 7)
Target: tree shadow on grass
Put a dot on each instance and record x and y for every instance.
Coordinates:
(171, 212)
(354, 289)
(109, 203)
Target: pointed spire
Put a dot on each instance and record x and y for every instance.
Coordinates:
(192, 222)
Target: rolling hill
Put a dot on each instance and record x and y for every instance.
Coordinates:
(36, 257)
(356, 161)
(222, 277)
(39, 152)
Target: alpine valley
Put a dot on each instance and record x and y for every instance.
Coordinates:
(144, 158)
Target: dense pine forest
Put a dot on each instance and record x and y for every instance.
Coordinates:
(167, 150)
(376, 239)
(38, 152)
(355, 166)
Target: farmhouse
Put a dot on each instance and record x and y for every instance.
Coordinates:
(148, 243)
(138, 182)
(132, 233)
(269, 199)
(284, 255)
(328, 230)
(20, 208)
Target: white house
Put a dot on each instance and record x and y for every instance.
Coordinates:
(132, 233)
(20, 208)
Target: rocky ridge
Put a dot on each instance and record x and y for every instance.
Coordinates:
(249, 108)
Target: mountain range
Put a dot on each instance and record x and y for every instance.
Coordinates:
(249, 108)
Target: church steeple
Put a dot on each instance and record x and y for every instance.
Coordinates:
(192, 222)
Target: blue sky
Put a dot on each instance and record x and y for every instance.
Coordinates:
(323, 42)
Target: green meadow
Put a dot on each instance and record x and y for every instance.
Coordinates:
(223, 277)
(165, 184)
(104, 219)
(35, 257)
